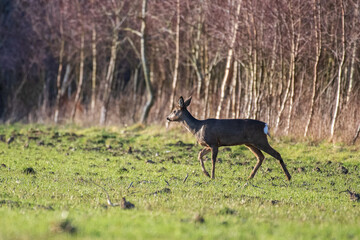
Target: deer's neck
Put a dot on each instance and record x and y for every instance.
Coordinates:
(190, 123)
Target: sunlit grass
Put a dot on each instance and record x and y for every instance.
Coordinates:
(139, 162)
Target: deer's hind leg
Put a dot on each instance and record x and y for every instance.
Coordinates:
(260, 158)
(202, 153)
(265, 146)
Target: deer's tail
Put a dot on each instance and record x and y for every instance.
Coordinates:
(266, 130)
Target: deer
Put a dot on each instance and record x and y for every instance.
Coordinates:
(215, 133)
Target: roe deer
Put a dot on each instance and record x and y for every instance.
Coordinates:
(215, 133)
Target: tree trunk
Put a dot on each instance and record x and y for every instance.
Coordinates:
(337, 102)
(81, 77)
(149, 90)
(110, 73)
(94, 65)
(239, 107)
(160, 88)
(294, 52)
(283, 102)
(58, 78)
(207, 78)
(353, 54)
(233, 91)
(317, 30)
(229, 59)
(177, 45)
(270, 80)
(196, 60)
(249, 92)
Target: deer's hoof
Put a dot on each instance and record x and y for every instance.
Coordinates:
(207, 174)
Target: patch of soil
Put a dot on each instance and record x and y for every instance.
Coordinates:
(29, 170)
(32, 138)
(150, 161)
(343, 170)
(130, 150)
(64, 226)
(55, 135)
(227, 149)
(125, 204)
(227, 211)
(353, 195)
(317, 169)
(199, 218)
(301, 169)
(122, 170)
(10, 140)
(162, 169)
(164, 190)
(17, 204)
(181, 144)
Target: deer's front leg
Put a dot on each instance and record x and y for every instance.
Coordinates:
(200, 157)
(214, 151)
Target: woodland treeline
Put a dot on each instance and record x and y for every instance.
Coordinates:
(291, 63)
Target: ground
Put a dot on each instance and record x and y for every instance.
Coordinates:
(54, 183)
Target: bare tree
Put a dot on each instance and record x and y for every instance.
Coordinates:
(58, 78)
(114, 16)
(177, 52)
(340, 69)
(94, 63)
(81, 73)
(149, 89)
(354, 47)
(318, 48)
(229, 59)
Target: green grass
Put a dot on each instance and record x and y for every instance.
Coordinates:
(59, 201)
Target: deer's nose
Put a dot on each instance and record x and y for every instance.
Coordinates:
(168, 119)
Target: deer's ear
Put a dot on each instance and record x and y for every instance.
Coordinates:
(181, 102)
(187, 102)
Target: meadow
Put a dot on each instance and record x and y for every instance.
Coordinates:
(54, 182)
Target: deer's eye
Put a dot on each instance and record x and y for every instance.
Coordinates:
(174, 111)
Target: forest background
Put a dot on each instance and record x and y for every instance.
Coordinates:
(291, 63)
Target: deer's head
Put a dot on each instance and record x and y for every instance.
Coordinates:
(178, 111)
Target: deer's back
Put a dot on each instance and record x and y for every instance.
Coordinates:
(228, 132)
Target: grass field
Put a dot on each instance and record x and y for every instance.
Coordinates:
(50, 178)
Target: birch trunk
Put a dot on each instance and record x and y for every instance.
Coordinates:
(283, 102)
(317, 21)
(233, 91)
(81, 77)
(109, 74)
(294, 52)
(228, 60)
(339, 75)
(207, 79)
(199, 74)
(353, 54)
(94, 65)
(58, 78)
(149, 90)
(177, 45)
(238, 112)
